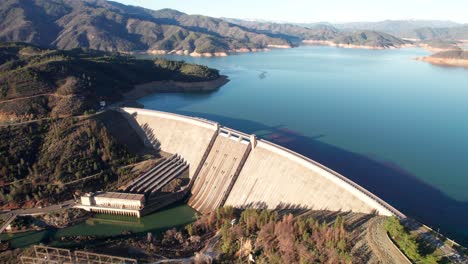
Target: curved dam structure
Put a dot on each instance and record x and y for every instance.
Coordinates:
(228, 167)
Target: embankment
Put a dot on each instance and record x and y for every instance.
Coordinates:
(143, 90)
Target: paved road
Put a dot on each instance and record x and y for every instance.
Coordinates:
(381, 245)
(38, 211)
(11, 215)
(44, 210)
(426, 234)
(15, 123)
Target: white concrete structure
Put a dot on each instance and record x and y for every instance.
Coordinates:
(276, 177)
(272, 176)
(219, 170)
(113, 203)
(189, 137)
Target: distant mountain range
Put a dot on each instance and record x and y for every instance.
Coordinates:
(110, 26)
(414, 29)
(292, 32)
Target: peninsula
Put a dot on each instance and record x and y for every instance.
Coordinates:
(39, 83)
(458, 58)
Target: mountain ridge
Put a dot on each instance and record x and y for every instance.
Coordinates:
(110, 26)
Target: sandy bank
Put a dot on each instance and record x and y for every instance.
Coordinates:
(143, 90)
(436, 50)
(352, 46)
(445, 62)
(215, 54)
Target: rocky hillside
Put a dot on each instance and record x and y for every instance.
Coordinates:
(110, 26)
(325, 34)
(399, 28)
(452, 54)
(452, 33)
(37, 83)
(291, 32)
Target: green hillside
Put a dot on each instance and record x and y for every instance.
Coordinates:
(36, 82)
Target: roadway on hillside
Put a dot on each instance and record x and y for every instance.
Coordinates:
(6, 124)
(11, 215)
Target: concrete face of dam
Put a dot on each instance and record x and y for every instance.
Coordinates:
(230, 168)
(275, 178)
(189, 137)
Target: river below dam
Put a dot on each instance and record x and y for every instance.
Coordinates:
(102, 226)
(394, 125)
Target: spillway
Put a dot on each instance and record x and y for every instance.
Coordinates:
(219, 171)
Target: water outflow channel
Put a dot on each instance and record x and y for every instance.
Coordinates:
(103, 226)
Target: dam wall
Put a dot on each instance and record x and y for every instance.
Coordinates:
(275, 177)
(228, 167)
(187, 136)
(220, 170)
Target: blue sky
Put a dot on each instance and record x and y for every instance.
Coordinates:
(317, 10)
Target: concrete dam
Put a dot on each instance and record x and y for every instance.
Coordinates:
(227, 167)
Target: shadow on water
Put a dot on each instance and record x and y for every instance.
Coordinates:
(388, 181)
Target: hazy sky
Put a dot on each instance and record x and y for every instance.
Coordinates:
(317, 10)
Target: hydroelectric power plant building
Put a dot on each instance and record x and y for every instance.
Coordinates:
(228, 167)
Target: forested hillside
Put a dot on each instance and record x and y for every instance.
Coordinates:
(37, 83)
(110, 26)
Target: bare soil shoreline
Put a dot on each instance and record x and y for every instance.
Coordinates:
(445, 62)
(142, 90)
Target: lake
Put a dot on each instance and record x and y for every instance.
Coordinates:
(396, 126)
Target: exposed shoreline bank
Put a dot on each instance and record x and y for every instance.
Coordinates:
(352, 46)
(444, 62)
(212, 54)
(146, 89)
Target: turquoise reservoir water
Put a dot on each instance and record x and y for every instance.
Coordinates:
(397, 126)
